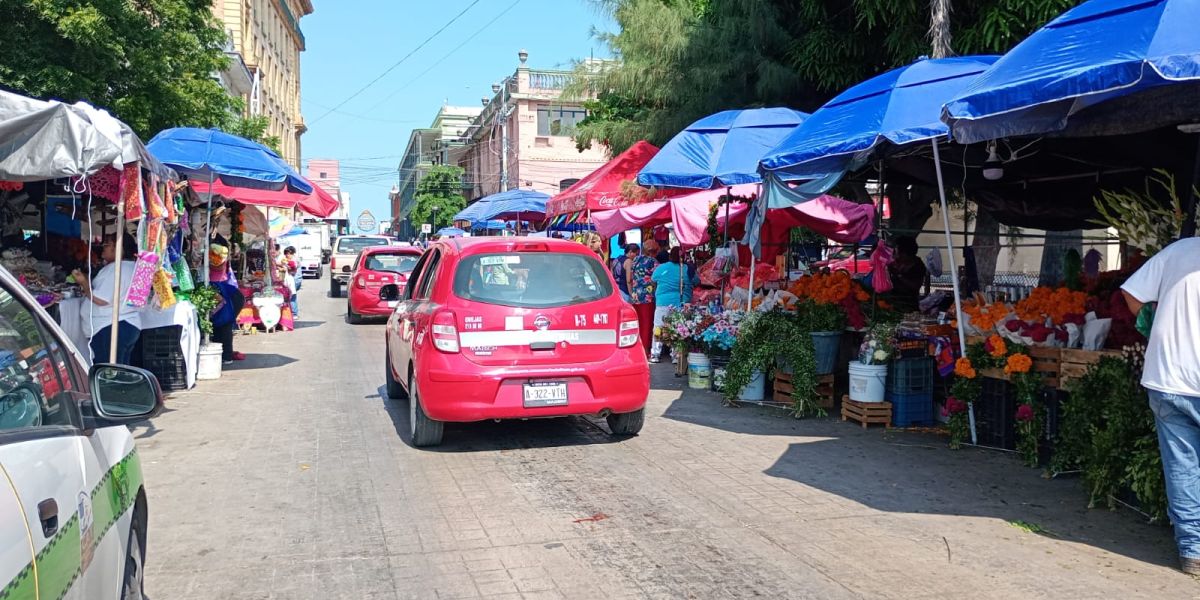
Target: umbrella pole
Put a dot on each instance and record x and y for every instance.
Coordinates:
(962, 336)
(208, 230)
(117, 300)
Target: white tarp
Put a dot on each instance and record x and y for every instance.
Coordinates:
(48, 140)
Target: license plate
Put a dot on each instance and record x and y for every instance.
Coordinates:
(393, 303)
(545, 394)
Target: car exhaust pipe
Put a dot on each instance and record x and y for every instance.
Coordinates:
(604, 413)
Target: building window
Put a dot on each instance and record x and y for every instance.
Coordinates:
(558, 121)
(323, 175)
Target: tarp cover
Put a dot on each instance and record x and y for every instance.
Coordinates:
(601, 189)
(901, 106)
(1093, 53)
(236, 161)
(47, 140)
(720, 150)
(531, 203)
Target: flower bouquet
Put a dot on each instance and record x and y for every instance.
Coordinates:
(878, 346)
(682, 327)
(722, 332)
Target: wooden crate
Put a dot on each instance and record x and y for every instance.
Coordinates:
(867, 413)
(1046, 361)
(1075, 363)
(784, 388)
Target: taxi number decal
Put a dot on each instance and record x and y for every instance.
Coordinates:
(600, 318)
(473, 323)
(490, 261)
(580, 320)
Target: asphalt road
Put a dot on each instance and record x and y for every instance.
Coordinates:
(291, 477)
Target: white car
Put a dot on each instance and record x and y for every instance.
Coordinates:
(72, 504)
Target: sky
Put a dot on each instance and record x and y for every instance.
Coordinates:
(352, 42)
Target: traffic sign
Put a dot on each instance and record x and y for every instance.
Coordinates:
(366, 222)
(426, 228)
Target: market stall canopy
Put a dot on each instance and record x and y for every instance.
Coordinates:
(720, 150)
(862, 124)
(235, 161)
(602, 188)
(512, 204)
(1096, 52)
(318, 204)
(48, 140)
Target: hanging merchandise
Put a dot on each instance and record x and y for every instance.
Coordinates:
(131, 192)
(143, 280)
(183, 275)
(154, 202)
(881, 259)
(163, 293)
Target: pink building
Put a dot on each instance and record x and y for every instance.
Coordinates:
(523, 138)
(326, 172)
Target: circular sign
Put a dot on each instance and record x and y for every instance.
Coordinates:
(366, 222)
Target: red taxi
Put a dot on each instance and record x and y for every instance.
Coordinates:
(513, 328)
(376, 267)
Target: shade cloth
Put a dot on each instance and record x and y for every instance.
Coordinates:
(722, 149)
(503, 204)
(236, 161)
(319, 203)
(1093, 53)
(601, 189)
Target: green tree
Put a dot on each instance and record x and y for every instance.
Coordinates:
(439, 196)
(149, 62)
(254, 129)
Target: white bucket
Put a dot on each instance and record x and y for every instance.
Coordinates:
(867, 382)
(699, 370)
(756, 390)
(209, 365)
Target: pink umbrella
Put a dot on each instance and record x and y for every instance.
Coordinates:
(319, 203)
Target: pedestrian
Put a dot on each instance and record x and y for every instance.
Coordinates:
(224, 318)
(620, 269)
(908, 275)
(100, 290)
(294, 278)
(1171, 376)
(639, 278)
(595, 243)
(673, 283)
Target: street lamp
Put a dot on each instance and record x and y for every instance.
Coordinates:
(433, 210)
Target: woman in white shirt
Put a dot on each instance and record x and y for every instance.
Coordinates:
(99, 313)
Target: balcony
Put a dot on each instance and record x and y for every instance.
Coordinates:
(549, 80)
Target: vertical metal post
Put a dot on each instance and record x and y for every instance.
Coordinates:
(962, 336)
(116, 299)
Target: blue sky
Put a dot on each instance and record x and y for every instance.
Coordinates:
(351, 42)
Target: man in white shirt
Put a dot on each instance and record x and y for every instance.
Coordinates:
(1172, 377)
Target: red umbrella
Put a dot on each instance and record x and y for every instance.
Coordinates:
(601, 189)
(318, 204)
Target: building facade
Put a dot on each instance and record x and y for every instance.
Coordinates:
(427, 147)
(523, 137)
(327, 173)
(266, 40)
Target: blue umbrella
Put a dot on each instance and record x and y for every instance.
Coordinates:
(213, 154)
(1095, 52)
(719, 150)
(863, 123)
(514, 204)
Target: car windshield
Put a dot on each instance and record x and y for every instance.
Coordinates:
(397, 263)
(354, 245)
(531, 280)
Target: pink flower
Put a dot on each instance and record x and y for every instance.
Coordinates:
(1014, 325)
(1025, 413)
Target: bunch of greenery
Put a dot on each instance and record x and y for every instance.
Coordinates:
(813, 316)
(1108, 432)
(774, 339)
(205, 298)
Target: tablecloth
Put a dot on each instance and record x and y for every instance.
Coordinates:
(71, 316)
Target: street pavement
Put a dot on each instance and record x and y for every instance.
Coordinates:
(291, 477)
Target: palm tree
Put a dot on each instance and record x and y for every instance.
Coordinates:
(939, 28)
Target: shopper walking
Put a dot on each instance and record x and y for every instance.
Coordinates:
(294, 278)
(1171, 279)
(620, 269)
(639, 279)
(673, 283)
(99, 291)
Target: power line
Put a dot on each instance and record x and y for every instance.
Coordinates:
(398, 63)
(447, 55)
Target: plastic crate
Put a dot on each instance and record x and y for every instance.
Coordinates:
(910, 376)
(912, 348)
(995, 414)
(912, 409)
(171, 374)
(162, 343)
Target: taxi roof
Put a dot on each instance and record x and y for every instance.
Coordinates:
(474, 245)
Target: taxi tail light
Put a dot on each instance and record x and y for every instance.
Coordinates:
(360, 281)
(628, 333)
(445, 332)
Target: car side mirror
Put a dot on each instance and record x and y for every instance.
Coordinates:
(389, 292)
(124, 394)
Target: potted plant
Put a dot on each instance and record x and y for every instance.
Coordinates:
(824, 322)
(868, 374)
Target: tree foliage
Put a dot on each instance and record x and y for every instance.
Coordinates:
(149, 62)
(680, 60)
(439, 197)
(254, 129)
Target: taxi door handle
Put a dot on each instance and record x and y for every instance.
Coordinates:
(48, 515)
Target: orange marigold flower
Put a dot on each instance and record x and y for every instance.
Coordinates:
(963, 368)
(1018, 363)
(997, 346)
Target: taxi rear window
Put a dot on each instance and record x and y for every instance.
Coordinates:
(531, 279)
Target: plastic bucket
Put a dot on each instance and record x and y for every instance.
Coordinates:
(756, 389)
(825, 350)
(209, 365)
(867, 382)
(699, 370)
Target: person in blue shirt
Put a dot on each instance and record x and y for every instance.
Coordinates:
(673, 281)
